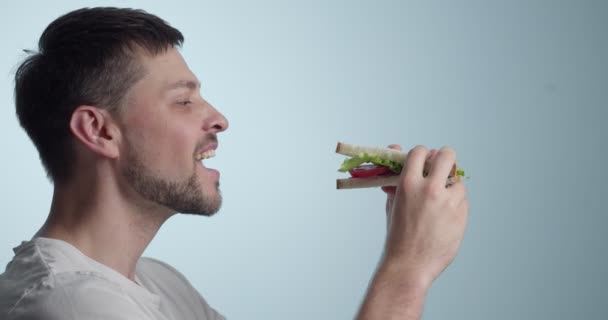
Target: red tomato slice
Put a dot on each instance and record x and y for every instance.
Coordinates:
(368, 170)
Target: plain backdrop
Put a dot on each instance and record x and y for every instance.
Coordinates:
(518, 88)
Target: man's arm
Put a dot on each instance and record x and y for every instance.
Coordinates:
(390, 296)
(426, 222)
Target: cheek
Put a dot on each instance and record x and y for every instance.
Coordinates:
(164, 149)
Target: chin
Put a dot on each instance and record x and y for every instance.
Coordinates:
(206, 205)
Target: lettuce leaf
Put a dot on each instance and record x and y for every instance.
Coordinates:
(362, 158)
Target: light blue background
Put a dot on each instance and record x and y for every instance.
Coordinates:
(519, 88)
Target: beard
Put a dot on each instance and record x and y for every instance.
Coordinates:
(186, 196)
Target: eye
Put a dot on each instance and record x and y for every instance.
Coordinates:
(184, 102)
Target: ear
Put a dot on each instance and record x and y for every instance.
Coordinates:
(94, 128)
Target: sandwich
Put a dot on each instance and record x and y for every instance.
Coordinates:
(378, 167)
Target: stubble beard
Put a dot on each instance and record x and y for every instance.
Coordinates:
(186, 196)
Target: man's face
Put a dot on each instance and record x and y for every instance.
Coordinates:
(167, 128)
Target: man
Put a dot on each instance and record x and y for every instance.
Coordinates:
(123, 132)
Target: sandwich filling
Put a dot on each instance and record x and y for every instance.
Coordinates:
(358, 166)
(352, 163)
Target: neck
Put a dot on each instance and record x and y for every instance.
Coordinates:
(103, 223)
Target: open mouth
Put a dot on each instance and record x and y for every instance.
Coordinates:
(200, 159)
(205, 155)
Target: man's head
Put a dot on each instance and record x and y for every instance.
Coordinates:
(107, 86)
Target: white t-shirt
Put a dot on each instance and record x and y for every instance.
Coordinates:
(51, 279)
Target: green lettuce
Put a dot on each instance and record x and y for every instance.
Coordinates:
(362, 158)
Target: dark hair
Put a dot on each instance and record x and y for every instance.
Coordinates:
(86, 57)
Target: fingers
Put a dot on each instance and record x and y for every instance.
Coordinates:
(429, 160)
(389, 190)
(459, 201)
(422, 162)
(395, 146)
(414, 165)
(458, 192)
(442, 165)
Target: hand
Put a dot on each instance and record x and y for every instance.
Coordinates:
(390, 191)
(425, 219)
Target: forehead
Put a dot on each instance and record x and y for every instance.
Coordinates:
(153, 89)
(165, 69)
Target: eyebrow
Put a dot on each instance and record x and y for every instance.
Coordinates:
(189, 84)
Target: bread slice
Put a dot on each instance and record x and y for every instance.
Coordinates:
(379, 181)
(385, 153)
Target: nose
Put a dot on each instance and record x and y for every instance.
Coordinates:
(216, 121)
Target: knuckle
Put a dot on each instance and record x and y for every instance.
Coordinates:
(418, 149)
(421, 149)
(459, 188)
(433, 191)
(454, 202)
(448, 151)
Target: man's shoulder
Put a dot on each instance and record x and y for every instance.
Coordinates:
(154, 273)
(47, 277)
(152, 266)
(148, 263)
(172, 286)
(71, 295)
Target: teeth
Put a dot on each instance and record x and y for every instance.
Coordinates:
(205, 155)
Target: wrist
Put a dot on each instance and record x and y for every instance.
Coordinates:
(394, 293)
(406, 275)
